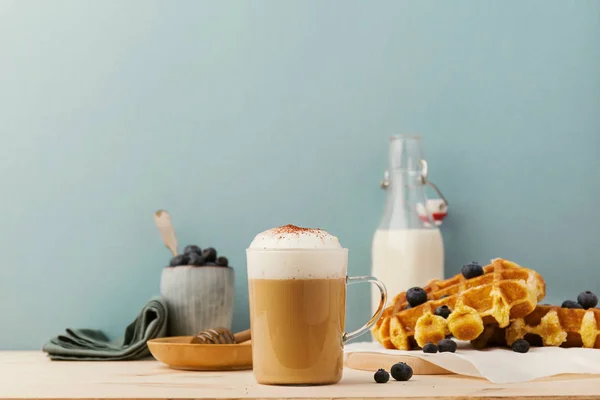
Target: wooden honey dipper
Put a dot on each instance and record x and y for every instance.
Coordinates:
(221, 336)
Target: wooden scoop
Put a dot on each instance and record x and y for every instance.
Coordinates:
(221, 336)
(165, 227)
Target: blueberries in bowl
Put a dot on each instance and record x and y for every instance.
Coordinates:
(222, 261)
(210, 254)
(192, 248)
(194, 256)
(181, 259)
(196, 259)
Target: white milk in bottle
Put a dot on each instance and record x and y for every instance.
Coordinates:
(407, 248)
(403, 258)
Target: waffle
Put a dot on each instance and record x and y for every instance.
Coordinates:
(548, 326)
(503, 293)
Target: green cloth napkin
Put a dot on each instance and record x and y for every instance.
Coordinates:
(94, 345)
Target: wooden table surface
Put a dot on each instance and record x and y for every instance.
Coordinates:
(32, 375)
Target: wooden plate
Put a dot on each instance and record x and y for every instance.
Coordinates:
(177, 352)
(374, 361)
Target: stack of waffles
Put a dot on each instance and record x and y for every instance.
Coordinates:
(496, 308)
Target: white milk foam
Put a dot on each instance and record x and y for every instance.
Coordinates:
(303, 254)
(293, 237)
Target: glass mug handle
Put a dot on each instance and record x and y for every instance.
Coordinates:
(382, 301)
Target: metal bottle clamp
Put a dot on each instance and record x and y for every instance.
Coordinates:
(385, 183)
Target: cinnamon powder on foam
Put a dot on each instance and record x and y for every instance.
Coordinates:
(293, 229)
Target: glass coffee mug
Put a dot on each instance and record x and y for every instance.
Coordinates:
(298, 312)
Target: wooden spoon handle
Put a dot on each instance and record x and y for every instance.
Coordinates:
(242, 336)
(165, 227)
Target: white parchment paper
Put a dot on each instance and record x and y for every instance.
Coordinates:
(500, 365)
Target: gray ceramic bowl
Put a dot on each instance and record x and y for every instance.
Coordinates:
(198, 298)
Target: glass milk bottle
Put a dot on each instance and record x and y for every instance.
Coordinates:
(407, 248)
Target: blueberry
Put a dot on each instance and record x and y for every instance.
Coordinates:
(446, 345)
(571, 304)
(210, 254)
(401, 371)
(210, 264)
(196, 259)
(520, 346)
(472, 270)
(222, 261)
(587, 299)
(181, 259)
(443, 311)
(381, 376)
(430, 348)
(416, 296)
(406, 307)
(444, 296)
(192, 248)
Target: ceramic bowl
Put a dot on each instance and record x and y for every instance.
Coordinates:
(198, 298)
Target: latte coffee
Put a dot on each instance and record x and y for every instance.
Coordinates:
(301, 323)
(297, 291)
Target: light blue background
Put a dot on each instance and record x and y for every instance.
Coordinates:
(237, 116)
